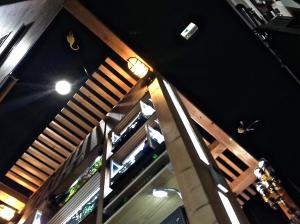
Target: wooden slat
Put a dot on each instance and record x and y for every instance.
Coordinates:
(11, 83)
(225, 170)
(75, 8)
(244, 180)
(120, 71)
(114, 78)
(231, 164)
(20, 198)
(21, 181)
(65, 132)
(60, 139)
(240, 202)
(82, 112)
(51, 153)
(37, 163)
(43, 138)
(216, 148)
(251, 191)
(101, 92)
(28, 176)
(71, 126)
(95, 99)
(246, 197)
(89, 106)
(76, 119)
(206, 123)
(43, 158)
(27, 166)
(107, 84)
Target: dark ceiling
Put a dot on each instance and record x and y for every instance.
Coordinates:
(223, 69)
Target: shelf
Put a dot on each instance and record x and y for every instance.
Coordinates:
(130, 115)
(133, 141)
(137, 182)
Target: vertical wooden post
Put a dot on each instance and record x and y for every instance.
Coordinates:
(104, 173)
(204, 202)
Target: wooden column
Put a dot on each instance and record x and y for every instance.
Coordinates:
(199, 191)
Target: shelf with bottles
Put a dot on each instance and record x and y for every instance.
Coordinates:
(131, 123)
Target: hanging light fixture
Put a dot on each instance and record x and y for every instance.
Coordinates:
(137, 67)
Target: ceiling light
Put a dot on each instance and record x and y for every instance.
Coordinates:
(159, 193)
(137, 67)
(189, 31)
(63, 87)
(6, 212)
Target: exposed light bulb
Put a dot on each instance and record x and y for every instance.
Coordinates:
(63, 87)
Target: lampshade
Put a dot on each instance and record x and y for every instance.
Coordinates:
(137, 67)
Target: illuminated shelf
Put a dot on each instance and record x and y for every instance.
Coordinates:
(133, 141)
(132, 188)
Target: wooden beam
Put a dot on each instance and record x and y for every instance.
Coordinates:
(70, 126)
(26, 175)
(95, 99)
(11, 83)
(199, 191)
(89, 106)
(245, 180)
(118, 69)
(56, 147)
(51, 153)
(231, 164)
(108, 85)
(30, 168)
(37, 163)
(201, 119)
(76, 119)
(63, 141)
(64, 132)
(216, 148)
(114, 78)
(101, 92)
(21, 181)
(100, 30)
(47, 160)
(82, 112)
(12, 192)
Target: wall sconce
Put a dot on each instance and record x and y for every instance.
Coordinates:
(137, 67)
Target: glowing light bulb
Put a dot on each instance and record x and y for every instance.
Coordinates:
(159, 193)
(137, 67)
(63, 87)
(6, 213)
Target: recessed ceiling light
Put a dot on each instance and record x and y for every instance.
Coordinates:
(63, 87)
